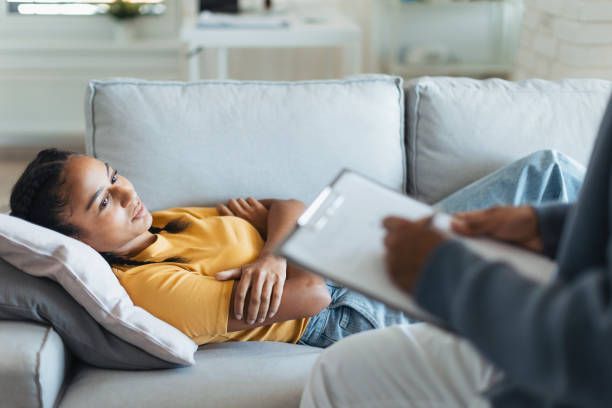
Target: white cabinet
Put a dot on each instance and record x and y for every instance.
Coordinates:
(459, 38)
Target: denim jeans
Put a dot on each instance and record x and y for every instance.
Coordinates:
(349, 312)
(544, 176)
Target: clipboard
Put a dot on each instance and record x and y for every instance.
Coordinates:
(340, 237)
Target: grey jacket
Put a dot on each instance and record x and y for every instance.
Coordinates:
(553, 342)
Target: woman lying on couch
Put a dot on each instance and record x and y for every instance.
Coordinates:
(209, 272)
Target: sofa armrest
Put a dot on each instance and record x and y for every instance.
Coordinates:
(33, 364)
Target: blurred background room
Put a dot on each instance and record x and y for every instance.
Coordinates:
(49, 50)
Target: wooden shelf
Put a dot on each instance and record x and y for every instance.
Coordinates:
(456, 69)
(444, 3)
(468, 38)
(90, 45)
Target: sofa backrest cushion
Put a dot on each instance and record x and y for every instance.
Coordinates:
(459, 129)
(201, 143)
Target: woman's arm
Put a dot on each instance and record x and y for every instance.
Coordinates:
(282, 216)
(304, 294)
(272, 218)
(259, 292)
(201, 307)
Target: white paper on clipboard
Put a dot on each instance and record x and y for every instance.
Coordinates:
(340, 237)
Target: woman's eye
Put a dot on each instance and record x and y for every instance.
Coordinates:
(104, 202)
(114, 179)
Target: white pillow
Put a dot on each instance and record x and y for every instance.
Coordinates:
(88, 278)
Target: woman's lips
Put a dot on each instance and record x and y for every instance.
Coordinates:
(140, 211)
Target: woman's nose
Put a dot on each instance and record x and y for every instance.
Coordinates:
(126, 195)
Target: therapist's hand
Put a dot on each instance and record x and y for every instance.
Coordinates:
(517, 225)
(408, 244)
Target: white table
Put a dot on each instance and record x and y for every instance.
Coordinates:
(329, 30)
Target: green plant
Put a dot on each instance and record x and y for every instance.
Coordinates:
(124, 10)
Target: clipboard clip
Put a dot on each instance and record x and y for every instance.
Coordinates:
(321, 210)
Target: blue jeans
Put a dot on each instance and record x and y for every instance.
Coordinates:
(349, 312)
(544, 176)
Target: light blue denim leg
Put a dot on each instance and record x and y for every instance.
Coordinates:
(543, 176)
(349, 312)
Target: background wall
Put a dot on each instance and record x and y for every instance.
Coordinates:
(566, 38)
(46, 62)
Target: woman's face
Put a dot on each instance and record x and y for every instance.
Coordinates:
(104, 206)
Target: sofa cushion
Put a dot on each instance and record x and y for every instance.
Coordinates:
(200, 143)
(25, 297)
(460, 129)
(33, 364)
(253, 374)
(88, 278)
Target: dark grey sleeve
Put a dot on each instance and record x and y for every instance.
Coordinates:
(551, 340)
(551, 220)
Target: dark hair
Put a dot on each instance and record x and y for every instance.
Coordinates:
(37, 197)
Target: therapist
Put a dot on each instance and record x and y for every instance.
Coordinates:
(516, 343)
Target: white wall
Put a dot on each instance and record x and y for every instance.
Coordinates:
(46, 62)
(566, 38)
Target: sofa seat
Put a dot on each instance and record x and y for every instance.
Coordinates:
(265, 374)
(33, 364)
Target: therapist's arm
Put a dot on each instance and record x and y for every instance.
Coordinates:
(553, 340)
(552, 220)
(550, 340)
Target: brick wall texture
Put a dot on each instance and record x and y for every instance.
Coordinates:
(565, 39)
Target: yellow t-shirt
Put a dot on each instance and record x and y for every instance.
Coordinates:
(187, 295)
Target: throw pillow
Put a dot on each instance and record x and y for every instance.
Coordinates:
(86, 276)
(25, 297)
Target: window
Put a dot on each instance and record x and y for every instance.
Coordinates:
(79, 7)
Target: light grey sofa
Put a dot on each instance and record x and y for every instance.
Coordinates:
(285, 140)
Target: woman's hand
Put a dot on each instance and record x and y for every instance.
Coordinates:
(408, 245)
(263, 281)
(250, 209)
(517, 225)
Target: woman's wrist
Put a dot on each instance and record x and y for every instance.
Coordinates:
(268, 253)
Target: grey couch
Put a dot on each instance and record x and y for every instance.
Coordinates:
(291, 138)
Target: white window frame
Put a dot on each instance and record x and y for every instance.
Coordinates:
(74, 7)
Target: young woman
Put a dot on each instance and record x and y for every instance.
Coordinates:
(209, 272)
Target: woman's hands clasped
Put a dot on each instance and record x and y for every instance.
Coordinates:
(250, 209)
(258, 293)
(260, 287)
